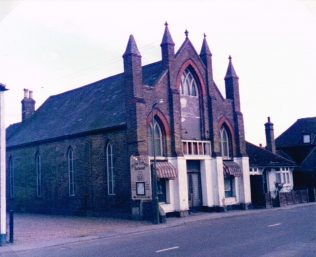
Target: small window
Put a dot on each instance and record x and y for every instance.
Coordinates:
(229, 185)
(306, 139)
(278, 177)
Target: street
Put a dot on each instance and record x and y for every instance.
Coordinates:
(275, 233)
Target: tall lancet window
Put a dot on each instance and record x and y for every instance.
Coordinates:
(38, 169)
(225, 143)
(191, 112)
(188, 84)
(71, 172)
(11, 177)
(110, 169)
(155, 139)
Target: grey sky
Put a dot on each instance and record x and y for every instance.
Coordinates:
(53, 46)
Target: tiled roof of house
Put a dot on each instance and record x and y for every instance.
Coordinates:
(260, 157)
(92, 107)
(293, 136)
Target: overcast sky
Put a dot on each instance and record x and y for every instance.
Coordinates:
(53, 46)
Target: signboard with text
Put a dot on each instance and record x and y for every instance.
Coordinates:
(140, 178)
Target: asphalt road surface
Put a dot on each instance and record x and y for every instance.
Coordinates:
(277, 233)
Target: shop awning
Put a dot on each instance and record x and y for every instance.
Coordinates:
(232, 168)
(166, 170)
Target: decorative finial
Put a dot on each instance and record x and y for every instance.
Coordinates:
(166, 24)
(230, 58)
(186, 32)
(204, 35)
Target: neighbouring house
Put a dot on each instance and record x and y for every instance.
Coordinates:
(89, 150)
(270, 173)
(298, 142)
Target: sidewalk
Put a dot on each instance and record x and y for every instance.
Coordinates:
(35, 231)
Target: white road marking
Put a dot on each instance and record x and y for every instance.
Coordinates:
(274, 225)
(167, 249)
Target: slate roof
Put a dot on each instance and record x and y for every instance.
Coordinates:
(12, 129)
(151, 73)
(260, 157)
(293, 136)
(92, 107)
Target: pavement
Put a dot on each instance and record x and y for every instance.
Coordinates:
(34, 231)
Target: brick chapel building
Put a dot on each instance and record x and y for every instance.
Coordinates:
(73, 154)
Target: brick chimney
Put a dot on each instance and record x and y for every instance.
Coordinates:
(28, 105)
(270, 136)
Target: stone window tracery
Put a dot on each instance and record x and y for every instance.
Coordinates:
(188, 84)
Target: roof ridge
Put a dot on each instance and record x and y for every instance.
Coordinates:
(88, 85)
(276, 154)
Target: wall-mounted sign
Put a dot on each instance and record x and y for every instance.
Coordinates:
(140, 178)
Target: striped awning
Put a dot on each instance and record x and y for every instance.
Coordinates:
(232, 168)
(166, 170)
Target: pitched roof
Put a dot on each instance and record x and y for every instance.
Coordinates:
(151, 73)
(260, 157)
(92, 107)
(12, 129)
(293, 136)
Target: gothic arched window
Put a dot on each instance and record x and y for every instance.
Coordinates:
(110, 169)
(38, 169)
(188, 84)
(155, 139)
(71, 173)
(11, 177)
(225, 143)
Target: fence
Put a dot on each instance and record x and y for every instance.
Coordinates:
(293, 197)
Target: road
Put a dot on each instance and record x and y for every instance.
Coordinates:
(276, 233)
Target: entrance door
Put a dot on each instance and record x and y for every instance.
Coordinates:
(194, 184)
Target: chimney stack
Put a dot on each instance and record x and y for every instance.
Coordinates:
(270, 136)
(28, 105)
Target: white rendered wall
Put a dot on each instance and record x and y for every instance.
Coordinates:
(179, 187)
(218, 173)
(207, 182)
(244, 181)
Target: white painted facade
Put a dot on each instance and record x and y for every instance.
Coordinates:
(274, 176)
(212, 184)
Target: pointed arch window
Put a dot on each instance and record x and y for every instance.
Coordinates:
(225, 143)
(110, 169)
(38, 169)
(11, 177)
(188, 84)
(71, 172)
(155, 139)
